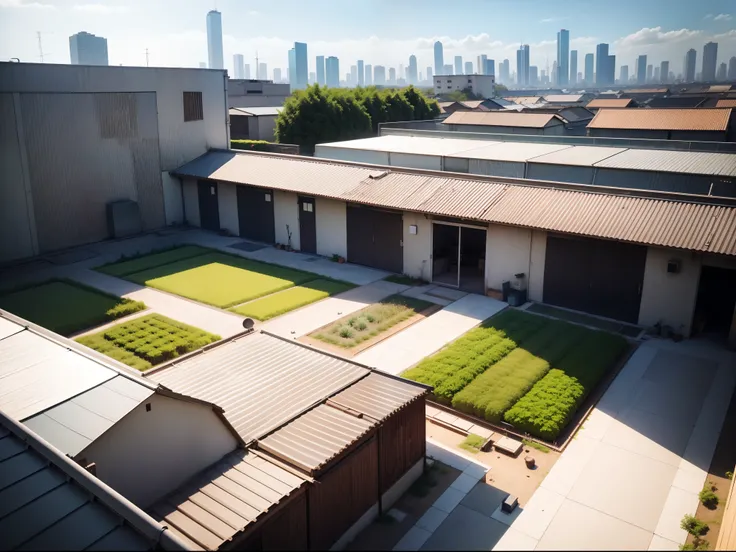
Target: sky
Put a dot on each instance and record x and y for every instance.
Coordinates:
(381, 32)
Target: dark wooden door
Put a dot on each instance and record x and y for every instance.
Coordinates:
(375, 238)
(307, 225)
(255, 214)
(209, 209)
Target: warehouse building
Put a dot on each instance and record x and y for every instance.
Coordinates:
(507, 122)
(253, 123)
(664, 124)
(623, 255)
(703, 173)
(82, 143)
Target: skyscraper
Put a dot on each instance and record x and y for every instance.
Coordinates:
(412, 71)
(533, 76)
(263, 71)
(429, 74)
(732, 68)
(589, 69)
(246, 71)
(490, 67)
(332, 72)
(611, 69)
(353, 75)
(601, 62)
(368, 75)
(522, 65)
(302, 65)
(468, 67)
(361, 73)
(482, 64)
(555, 73)
(447, 70)
(563, 57)
(458, 65)
(379, 75)
(573, 66)
(650, 69)
(641, 69)
(655, 77)
(312, 77)
(721, 75)
(624, 78)
(710, 56)
(392, 75)
(688, 66)
(292, 69)
(439, 58)
(214, 40)
(277, 75)
(664, 72)
(88, 49)
(504, 72)
(321, 70)
(238, 63)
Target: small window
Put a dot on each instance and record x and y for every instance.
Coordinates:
(193, 106)
(308, 207)
(267, 197)
(470, 80)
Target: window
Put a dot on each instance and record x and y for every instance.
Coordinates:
(193, 106)
(308, 207)
(470, 81)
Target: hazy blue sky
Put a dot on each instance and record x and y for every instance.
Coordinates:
(382, 32)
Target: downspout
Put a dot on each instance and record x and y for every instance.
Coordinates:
(227, 111)
(183, 203)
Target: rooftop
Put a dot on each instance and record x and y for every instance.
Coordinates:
(726, 103)
(503, 119)
(564, 98)
(662, 119)
(609, 102)
(523, 99)
(256, 111)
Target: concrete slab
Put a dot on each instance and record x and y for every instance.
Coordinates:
(476, 471)
(480, 431)
(484, 499)
(565, 473)
(464, 483)
(414, 539)
(431, 519)
(466, 529)
(678, 503)
(404, 349)
(507, 519)
(660, 543)
(446, 293)
(514, 539)
(538, 513)
(449, 499)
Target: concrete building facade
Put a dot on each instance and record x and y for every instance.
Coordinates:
(482, 85)
(88, 49)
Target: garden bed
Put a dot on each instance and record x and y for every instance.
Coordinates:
(126, 265)
(148, 341)
(66, 307)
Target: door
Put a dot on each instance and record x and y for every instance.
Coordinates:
(307, 225)
(255, 214)
(375, 238)
(446, 254)
(209, 209)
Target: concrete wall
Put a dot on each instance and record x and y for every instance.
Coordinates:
(191, 202)
(148, 454)
(511, 169)
(418, 247)
(412, 161)
(535, 276)
(669, 298)
(227, 201)
(508, 250)
(266, 127)
(286, 211)
(332, 228)
(173, 200)
(351, 154)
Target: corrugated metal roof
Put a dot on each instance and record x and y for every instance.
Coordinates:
(214, 506)
(312, 440)
(523, 99)
(585, 156)
(259, 380)
(688, 162)
(563, 98)
(256, 111)
(407, 144)
(502, 118)
(378, 396)
(726, 103)
(662, 119)
(610, 102)
(8, 328)
(511, 151)
(646, 90)
(575, 114)
(719, 88)
(48, 504)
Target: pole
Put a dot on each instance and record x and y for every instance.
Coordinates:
(40, 46)
(146, 57)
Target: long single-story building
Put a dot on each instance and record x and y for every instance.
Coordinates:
(615, 253)
(506, 121)
(253, 123)
(668, 124)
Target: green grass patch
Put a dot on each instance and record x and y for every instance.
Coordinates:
(148, 340)
(282, 302)
(220, 279)
(356, 328)
(404, 280)
(472, 443)
(66, 307)
(145, 261)
(538, 446)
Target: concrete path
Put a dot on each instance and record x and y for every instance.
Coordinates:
(636, 467)
(307, 319)
(406, 348)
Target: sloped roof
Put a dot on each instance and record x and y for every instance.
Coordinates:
(256, 111)
(662, 119)
(726, 103)
(523, 99)
(610, 102)
(503, 118)
(563, 98)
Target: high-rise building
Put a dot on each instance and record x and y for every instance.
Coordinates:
(611, 69)
(481, 63)
(263, 71)
(214, 40)
(379, 75)
(468, 67)
(589, 69)
(353, 81)
(392, 75)
(573, 66)
(601, 60)
(361, 73)
(88, 49)
(504, 72)
(664, 72)
(332, 72)
(641, 69)
(238, 63)
(555, 73)
(655, 77)
(321, 70)
(302, 65)
(688, 66)
(522, 65)
(246, 71)
(439, 58)
(710, 57)
(458, 65)
(400, 74)
(732, 68)
(292, 69)
(563, 57)
(533, 76)
(277, 75)
(721, 75)
(368, 74)
(412, 71)
(203, 65)
(624, 77)
(490, 67)
(447, 69)
(650, 75)
(312, 77)
(429, 74)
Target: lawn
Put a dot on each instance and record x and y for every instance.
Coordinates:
(137, 263)
(220, 279)
(147, 341)
(530, 371)
(66, 307)
(356, 328)
(279, 303)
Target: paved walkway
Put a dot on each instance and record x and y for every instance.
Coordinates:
(406, 348)
(634, 470)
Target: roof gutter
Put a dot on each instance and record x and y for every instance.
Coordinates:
(136, 517)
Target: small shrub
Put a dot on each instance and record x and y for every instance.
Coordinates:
(472, 443)
(708, 497)
(370, 318)
(361, 325)
(693, 525)
(345, 332)
(697, 544)
(729, 475)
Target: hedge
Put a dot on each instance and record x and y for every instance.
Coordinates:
(252, 145)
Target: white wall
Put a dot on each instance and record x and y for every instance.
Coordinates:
(173, 204)
(227, 202)
(146, 455)
(535, 277)
(286, 211)
(418, 248)
(332, 229)
(191, 201)
(669, 297)
(412, 161)
(352, 154)
(508, 252)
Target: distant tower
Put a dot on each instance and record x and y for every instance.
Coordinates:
(214, 40)
(439, 58)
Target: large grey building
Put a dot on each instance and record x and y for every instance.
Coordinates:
(563, 57)
(641, 69)
(624, 74)
(214, 40)
(332, 72)
(573, 66)
(688, 66)
(664, 72)
(589, 69)
(301, 66)
(88, 49)
(238, 66)
(522, 65)
(710, 58)
(605, 66)
(439, 58)
(361, 72)
(732, 68)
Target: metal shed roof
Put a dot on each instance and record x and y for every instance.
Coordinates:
(261, 381)
(662, 119)
(563, 98)
(502, 118)
(578, 155)
(510, 151)
(214, 506)
(726, 103)
(47, 502)
(523, 99)
(256, 111)
(688, 162)
(378, 396)
(408, 144)
(610, 102)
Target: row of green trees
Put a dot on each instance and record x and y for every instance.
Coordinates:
(320, 114)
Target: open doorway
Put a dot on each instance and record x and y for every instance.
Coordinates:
(714, 307)
(458, 256)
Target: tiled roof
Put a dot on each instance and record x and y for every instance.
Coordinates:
(502, 118)
(662, 119)
(610, 102)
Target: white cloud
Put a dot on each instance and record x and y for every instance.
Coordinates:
(722, 17)
(708, 16)
(25, 4)
(254, 13)
(100, 8)
(553, 19)
(655, 35)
